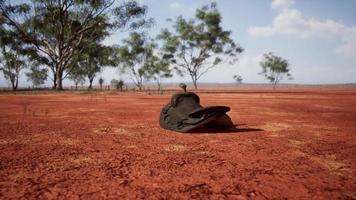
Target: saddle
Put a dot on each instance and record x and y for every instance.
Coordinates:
(185, 114)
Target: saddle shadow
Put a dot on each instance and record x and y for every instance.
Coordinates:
(234, 129)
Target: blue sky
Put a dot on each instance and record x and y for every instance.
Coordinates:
(317, 37)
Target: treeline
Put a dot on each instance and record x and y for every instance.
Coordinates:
(63, 39)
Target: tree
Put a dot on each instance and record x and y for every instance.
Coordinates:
(120, 85)
(158, 69)
(37, 75)
(12, 61)
(54, 30)
(92, 60)
(197, 45)
(238, 79)
(77, 75)
(94, 57)
(98, 57)
(117, 84)
(113, 82)
(101, 82)
(11, 67)
(274, 68)
(136, 57)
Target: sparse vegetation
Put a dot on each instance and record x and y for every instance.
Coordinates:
(67, 39)
(12, 58)
(11, 67)
(157, 70)
(238, 79)
(275, 68)
(52, 32)
(101, 82)
(37, 75)
(194, 46)
(139, 60)
(134, 56)
(117, 84)
(77, 75)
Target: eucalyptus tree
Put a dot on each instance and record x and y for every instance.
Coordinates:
(101, 82)
(11, 65)
(97, 57)
(136, 55)
(77, 75)
(238, 79)
(37, 75)
(53, 30)
(118, 84)
(275, 68)
(93, 59)
(12, 60)
(194, 46)
(157, 69)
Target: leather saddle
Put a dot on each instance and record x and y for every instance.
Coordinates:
(185, 114)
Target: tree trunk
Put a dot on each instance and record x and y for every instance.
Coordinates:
(140, 84)
(59, 76)
(17, 80)
(54, 77)
(54, 81)
(159, 86)
(91, 79)
(274, 85)
(194, 80)
(13, 84)
(195, 84)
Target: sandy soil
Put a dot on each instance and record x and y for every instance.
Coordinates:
(295, 145)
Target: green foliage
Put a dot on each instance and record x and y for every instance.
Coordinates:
(101, 82)
(238, 79)
(157, 69)
(53, 31)
(37, 75)
(138, 60)
(11, 59)
(77, 75)
(197, 45)
(118, 84)
(93, 58)
(11, 67)
(274, 68)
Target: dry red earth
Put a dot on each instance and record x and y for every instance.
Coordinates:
(295, 144)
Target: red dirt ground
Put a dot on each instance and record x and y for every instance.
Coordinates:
(290, 144)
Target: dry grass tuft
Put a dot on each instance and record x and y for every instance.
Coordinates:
(175, 148)
(68, 142)
(275, 127)
(8, 141)
(81, 160)
(328, 161)
(110, 130)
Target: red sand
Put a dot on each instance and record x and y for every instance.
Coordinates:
(299, 145)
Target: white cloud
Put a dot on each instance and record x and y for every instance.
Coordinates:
(291, 21)
(175, 5)
(281, 4)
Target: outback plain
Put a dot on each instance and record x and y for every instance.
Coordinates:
(290, 143)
